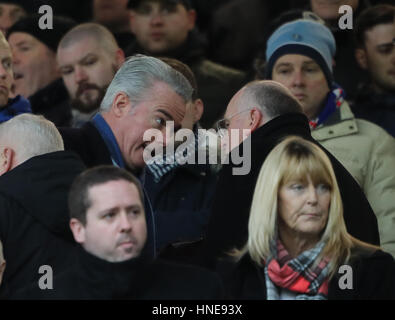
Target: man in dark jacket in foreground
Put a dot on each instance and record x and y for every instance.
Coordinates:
(271, 113)
(108, 221)
(35, 178)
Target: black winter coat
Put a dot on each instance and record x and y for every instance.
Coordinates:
(182, 202)
(228, 226)
(53, 103)
(87, 143)
(34, 218)
(93, 278)
(373, 277)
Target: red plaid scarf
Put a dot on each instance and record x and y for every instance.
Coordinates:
(333, 102)
(303, 274)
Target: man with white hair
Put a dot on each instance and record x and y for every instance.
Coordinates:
(35, 176)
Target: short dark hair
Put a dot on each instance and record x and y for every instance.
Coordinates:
(79, 201)
(371, 17)
(185, 71)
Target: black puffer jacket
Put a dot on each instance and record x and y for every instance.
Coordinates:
(53, 103)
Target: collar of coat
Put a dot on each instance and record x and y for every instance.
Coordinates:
(341, 123)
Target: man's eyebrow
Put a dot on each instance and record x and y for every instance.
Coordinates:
(284, 64)
(23, 42)
(79, 61)
(387, 44)
(165, 113)
(309, 62)
(107, 210)
(87, 56)
(16, 10)
(117, 208)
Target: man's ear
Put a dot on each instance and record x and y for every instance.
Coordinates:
(360, 56)
(119, 57)
(7, 158)
(256, 119)
(78, 230)
(121, 105)
(132, 17)
(191, 19)
(199, 109)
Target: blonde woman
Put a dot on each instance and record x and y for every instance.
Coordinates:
(298, 247)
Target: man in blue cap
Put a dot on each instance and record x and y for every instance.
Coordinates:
(300, 55)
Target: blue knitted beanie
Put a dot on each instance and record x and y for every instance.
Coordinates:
(304, 37)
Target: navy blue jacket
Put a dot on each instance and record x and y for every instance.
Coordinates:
(15, 106)
(182, 202)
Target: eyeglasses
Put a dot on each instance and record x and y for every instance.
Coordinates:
(224, 123)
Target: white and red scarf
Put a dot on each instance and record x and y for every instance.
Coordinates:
(305, 275)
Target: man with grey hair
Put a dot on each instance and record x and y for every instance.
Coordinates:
(144, 94)
(270, 113)
(88, 57)
(35, 176)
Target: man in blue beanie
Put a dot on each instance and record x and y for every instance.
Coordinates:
(300, 55)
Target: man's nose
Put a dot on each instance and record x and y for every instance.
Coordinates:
(298, 78)
(124, 222)
(15, 56)
(80, 75)
(156, 18)
(3, 72)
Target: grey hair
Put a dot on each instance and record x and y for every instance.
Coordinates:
(30, 135)
(271, 97)
(138, 74)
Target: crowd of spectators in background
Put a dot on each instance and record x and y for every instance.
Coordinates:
(313, 106)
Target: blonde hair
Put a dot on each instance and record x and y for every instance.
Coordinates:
(296, 159)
